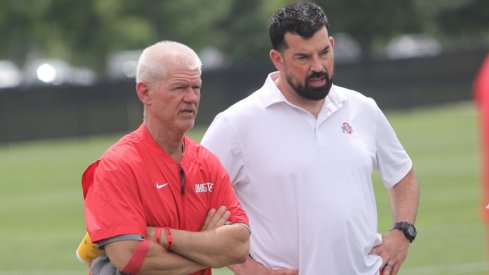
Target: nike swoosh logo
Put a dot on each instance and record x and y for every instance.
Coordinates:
(159, 186)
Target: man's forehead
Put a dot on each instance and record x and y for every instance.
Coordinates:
(184, 76)
(297, 43)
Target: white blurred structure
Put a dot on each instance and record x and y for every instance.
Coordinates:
(212, 58)
(123, 64)
(346, 48)
(413, 45)
(57, 72)
(10, 75)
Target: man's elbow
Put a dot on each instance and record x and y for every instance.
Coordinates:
(120, 252)
(241, 252)
(234, 254)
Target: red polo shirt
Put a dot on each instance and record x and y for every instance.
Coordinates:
(136, 184)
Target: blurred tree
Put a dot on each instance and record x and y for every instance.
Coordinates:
(88, 30)
(20, 28)
(84, 32)
(244, 30)
(469, 19)
(369, 21)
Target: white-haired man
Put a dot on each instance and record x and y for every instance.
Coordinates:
(158, 177)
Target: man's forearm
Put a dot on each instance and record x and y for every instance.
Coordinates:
(219, 247)
(158, 259)
(404, 198)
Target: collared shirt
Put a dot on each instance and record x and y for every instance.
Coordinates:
(136, 184)
(305, 182)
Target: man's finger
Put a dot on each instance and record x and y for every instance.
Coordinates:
(225, 217)
(388, 268)
(220, 217)
(216, 218)
(208, 218)
(375, 251)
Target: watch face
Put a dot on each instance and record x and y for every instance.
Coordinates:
(411, 230)
(408, 229)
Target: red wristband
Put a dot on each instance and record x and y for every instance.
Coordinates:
(158, 235)
(169, 238)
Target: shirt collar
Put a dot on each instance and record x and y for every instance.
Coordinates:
(270, 92)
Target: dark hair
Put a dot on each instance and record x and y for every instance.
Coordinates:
(302, 18)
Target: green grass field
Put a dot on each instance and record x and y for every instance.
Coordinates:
(41, 206)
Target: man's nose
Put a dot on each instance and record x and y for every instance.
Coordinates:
(190, 94)
(316, 65)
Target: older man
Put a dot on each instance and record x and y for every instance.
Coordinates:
(156, 176)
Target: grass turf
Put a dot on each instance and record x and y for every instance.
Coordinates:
(41, 202)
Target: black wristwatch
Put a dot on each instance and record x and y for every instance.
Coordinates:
(408, 229)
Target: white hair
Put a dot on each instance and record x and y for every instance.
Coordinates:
(157, 59)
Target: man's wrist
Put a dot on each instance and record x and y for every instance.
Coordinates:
(158, 235)
(408, 229)
(168, 238)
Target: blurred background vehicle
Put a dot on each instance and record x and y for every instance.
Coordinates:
(213, 58)
(122, 64)
(10, 75)
(346, 48)
(413, 45)
(56, 72)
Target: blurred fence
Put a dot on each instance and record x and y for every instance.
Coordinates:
(109, 107)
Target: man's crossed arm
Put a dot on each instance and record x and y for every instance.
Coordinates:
(218, 244)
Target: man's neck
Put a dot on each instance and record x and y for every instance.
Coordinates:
(170, 141)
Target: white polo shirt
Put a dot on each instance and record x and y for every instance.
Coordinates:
(305, 183)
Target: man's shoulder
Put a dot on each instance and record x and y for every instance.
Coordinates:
(203, 158)
(349, 93)
(201, 154)
(123, 150)
(353, 97)
(245, 109)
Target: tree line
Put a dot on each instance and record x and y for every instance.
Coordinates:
(84, 32)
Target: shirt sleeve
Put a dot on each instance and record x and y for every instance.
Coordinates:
(393, 161)
(224, 193)
(228, 197)
(221, 139)
(112, 204)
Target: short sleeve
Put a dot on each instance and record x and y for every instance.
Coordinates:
(222, 140)
(392, 160)
(112, 203)
(224, 193)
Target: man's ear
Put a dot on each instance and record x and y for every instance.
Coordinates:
(142, 90)
(276, 58)
(331, 41)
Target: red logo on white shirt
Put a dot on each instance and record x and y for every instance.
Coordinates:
(346, 128)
